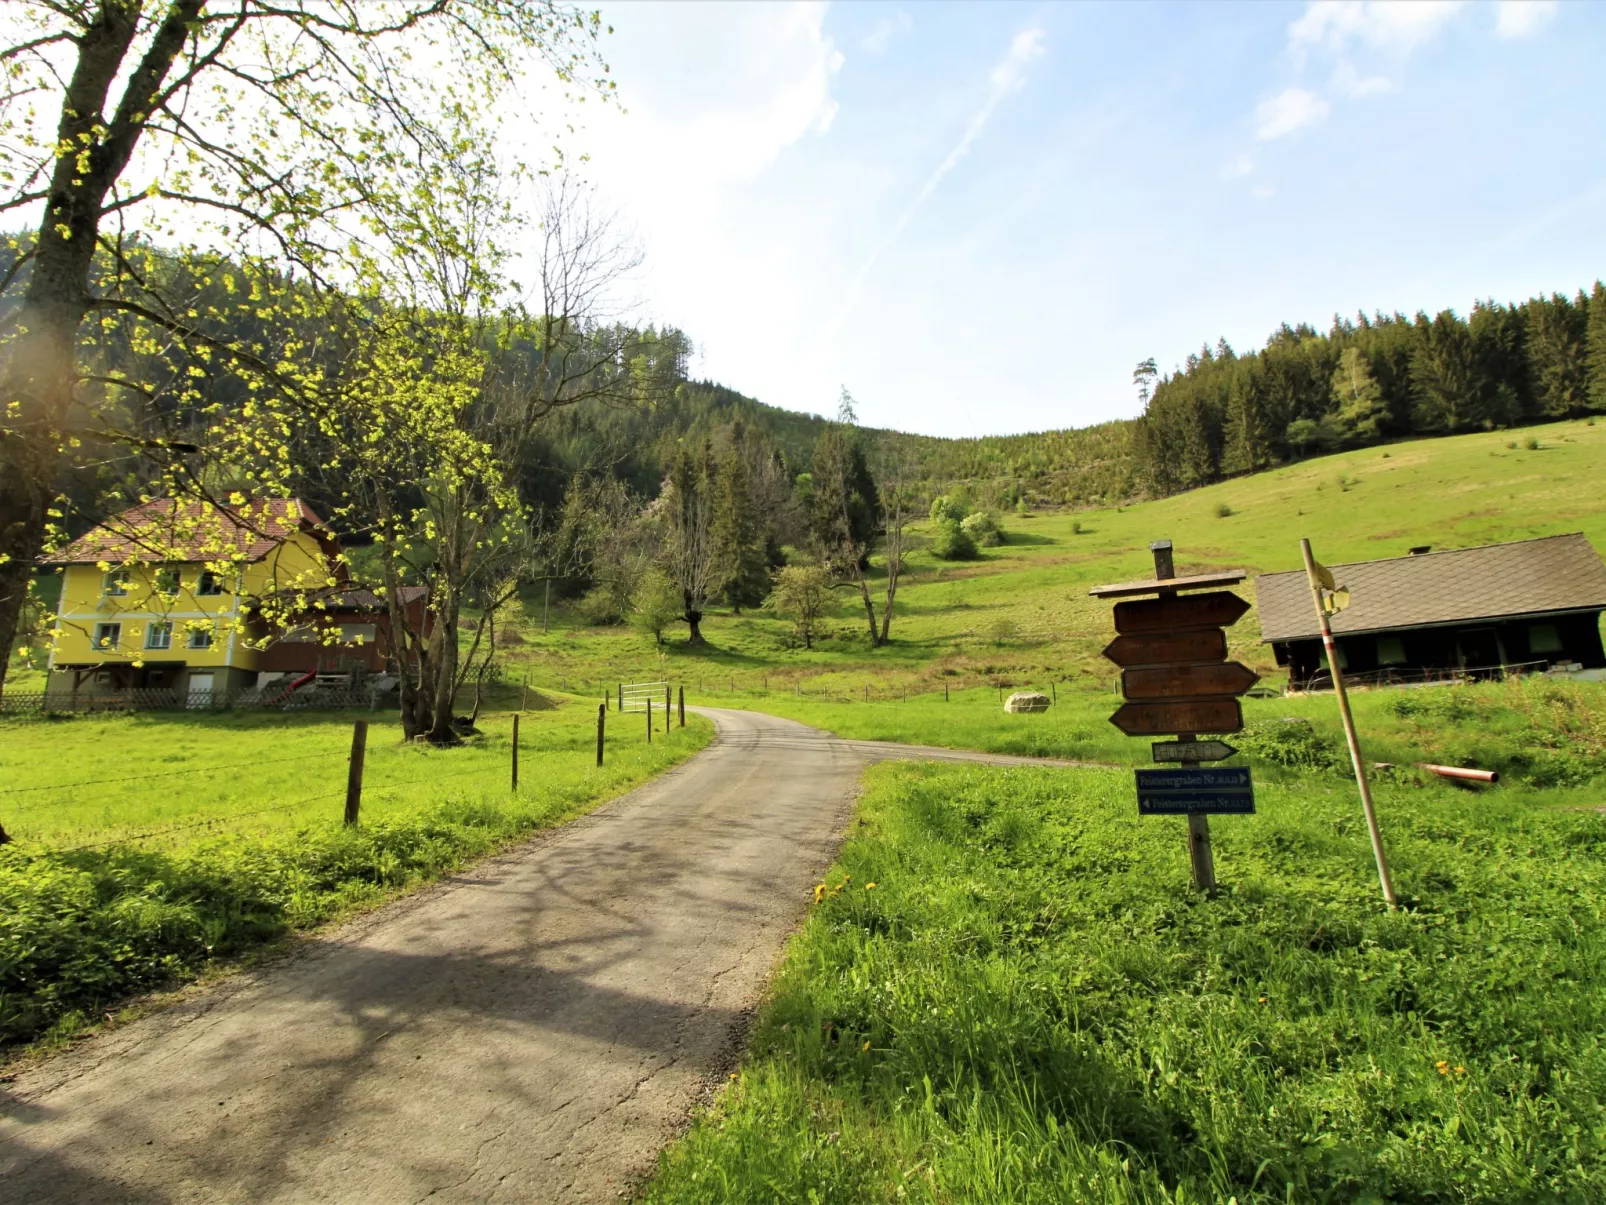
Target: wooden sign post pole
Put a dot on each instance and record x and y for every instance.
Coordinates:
(1199, 856)
(1350, 736)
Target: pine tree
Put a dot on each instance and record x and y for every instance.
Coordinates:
(1596, 327)
(1444, 375)
(1556, 356)
(741, 574)
(1248, 435)
(1359, 412)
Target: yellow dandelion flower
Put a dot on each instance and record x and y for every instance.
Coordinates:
(1460, 1070)
(869, 886)
(1442, 1067)
(867, 1046)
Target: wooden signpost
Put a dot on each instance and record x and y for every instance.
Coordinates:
(1177, 681)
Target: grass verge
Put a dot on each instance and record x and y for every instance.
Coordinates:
(82, 929)
(1029, 1006)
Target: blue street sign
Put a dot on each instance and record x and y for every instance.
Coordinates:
(1201, 790)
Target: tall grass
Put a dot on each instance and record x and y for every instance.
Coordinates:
(1029, 1006)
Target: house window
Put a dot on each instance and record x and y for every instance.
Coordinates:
(167, 582)
(159, 635)
(108, 635)
(357, 633)
(200, 638)
(1390, 650)
(116, 583)
(301, 635)
(1543, 638)
(210, 583)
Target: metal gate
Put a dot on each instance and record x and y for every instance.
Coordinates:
(633, 696)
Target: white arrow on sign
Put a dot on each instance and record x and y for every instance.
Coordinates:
(1192, 750)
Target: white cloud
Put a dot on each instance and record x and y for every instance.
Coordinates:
(1262, 191)
(1242, 166)
(1005, 77)
(1290, 110)
(884, 30)
(1334, 24)
(1352, 84)
(1519, 18)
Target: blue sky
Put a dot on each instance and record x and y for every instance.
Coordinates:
(979, 217)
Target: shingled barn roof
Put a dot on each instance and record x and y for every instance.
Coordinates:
(1496, 581)
(163, 530)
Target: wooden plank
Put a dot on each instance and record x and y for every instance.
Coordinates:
(1161, 719)
(1229, 679)
(1197, 581)
(1168, 648)
(1221, 608)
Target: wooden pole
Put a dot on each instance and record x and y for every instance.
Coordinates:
(669, 698)
(1201, 861)
(621, 698)
(945, 692)
(524, 698)
(359, 746)
(546, 604)
(1350, 736)
(649, 721)
(515, 753)
(682, 706)
(602, 720)
(1054, 687)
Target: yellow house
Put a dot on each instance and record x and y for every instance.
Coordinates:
(171, 596)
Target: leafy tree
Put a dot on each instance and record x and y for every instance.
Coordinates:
(304, 136)
(656, 604)
(844, 509)
(982, 527)
(689, 551)
(802, 594)
(951, 542)
(945, 507)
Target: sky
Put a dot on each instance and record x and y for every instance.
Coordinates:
(978, 218)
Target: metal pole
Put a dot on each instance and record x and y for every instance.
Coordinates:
(1354, 741)
(602, 720)
(515, 753)
(359, 747)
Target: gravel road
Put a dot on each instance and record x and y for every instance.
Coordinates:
(530, 1031)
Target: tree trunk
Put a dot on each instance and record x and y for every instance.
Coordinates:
(36, 387)
(886, 613)
(869, 610)
(694, 620)
(443, 690)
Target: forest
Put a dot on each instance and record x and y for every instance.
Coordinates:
(1368, 381)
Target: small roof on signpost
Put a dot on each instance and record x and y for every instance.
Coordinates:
(1197, 581)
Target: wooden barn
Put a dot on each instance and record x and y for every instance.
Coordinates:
(1526, 606)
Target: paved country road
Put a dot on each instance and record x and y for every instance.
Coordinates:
(532, 1030)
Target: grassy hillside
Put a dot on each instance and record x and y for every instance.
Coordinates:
(1020, 615)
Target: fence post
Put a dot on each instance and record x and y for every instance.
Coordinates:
(669, 699)
(359, 746)
(945, 692)
(682, 706)
(515, 752)
(1054, 686)
(602, 719)
(649, 720)
(621, 698)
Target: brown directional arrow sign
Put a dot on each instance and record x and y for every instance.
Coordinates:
(1188, 681)
(1217, 609)
(1194, 715)
(1169, 648)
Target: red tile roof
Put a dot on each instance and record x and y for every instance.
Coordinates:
(192, 530)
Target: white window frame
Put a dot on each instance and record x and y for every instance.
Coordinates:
(102, 643)
(177, 583)
(115, 584)
(200, 639)
(162, 628)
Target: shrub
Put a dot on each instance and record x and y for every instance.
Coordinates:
(1003, 629)
(1223, 510)
(951, 543)
(1531, 444)
(655, 605)
(599, 607)
(983, 529)
(945, 506)
(1291, 742)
